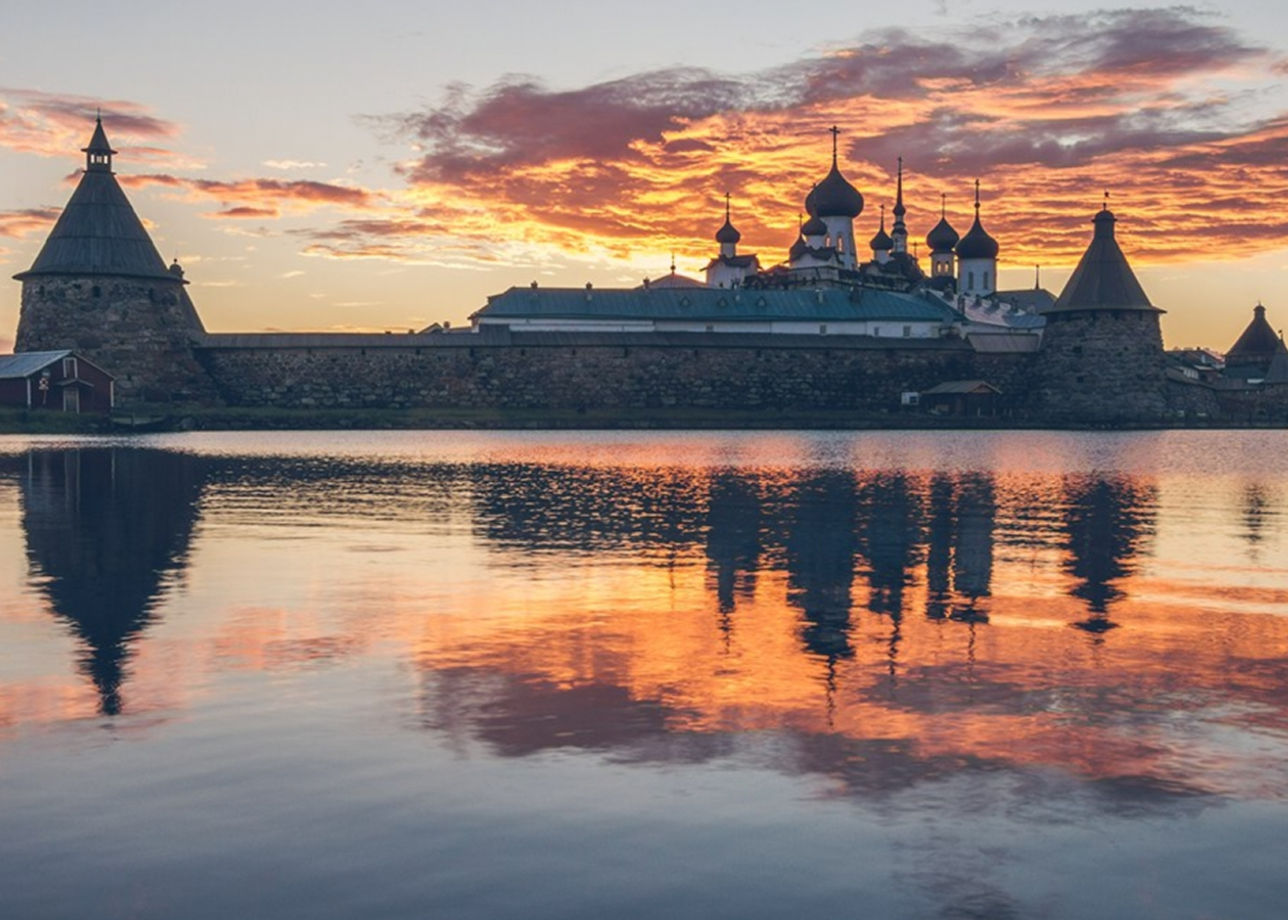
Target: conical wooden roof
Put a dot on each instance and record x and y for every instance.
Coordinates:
(1103, 280)
(1259, 342)
(98, 232)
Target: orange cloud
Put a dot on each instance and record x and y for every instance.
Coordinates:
(1047, 111)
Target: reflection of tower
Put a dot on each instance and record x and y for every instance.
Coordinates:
(105, 528)
(973, 544)
(939, 546)
(889, 531)
(1106, 522)
(733, 536)
(820, 548)
(1256, 509)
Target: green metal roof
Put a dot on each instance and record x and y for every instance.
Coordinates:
(711, 304)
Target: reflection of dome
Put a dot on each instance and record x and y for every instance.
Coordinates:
(834, 197)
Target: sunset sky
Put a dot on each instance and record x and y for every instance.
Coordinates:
(321, 166)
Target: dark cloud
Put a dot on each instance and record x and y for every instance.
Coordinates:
(266, 194)
(246, 211)
(1054, 61)
(20, 222)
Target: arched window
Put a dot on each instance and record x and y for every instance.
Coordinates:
(970, 281)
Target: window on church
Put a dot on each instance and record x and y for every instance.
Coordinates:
(970, 281)
(907, 331)
(822, 329)
(985, 280)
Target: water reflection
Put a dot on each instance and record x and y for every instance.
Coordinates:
(1108, 522)
(108, 532)
(889, 644)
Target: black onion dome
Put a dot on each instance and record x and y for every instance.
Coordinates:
(799, 248)
(728, 233)
(834, 197)
(882, 242)
(814, 227)
(942, 237)
(977, 244)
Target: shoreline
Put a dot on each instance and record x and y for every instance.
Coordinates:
(171, 419)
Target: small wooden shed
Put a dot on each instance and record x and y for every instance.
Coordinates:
(962, 397)
(59, 380)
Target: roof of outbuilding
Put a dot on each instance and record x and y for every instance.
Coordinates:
(1103, 280)
(26, 363)
(961, 386)
(828, 304)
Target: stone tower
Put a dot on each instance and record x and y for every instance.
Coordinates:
(99, 286)
(1102, 356)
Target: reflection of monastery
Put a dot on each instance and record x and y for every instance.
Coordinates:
(827, 329)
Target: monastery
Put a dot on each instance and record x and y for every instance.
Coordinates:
(826, 329)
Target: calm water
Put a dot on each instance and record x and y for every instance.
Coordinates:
(455, 675)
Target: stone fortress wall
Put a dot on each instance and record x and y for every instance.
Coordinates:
(590, 371)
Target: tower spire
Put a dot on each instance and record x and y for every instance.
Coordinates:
(836, 132)
(976, 199)
(899, 233)
(899, 209)
(98, 153)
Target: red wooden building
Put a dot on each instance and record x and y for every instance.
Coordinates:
(60, 380)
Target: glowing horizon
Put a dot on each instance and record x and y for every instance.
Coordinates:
(1172, 111)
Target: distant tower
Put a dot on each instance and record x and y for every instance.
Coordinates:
(941, 240)
(881, 243)
(899, 234)
(977, 258)
(100, 287)
(728, 269)
(1102, 350)
(836, 203)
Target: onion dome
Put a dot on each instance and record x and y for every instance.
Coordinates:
(942, 237)
(977, 244)
(728, 233)
(814, 227)
(799, 248)
(834, 196)
(882, 242)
